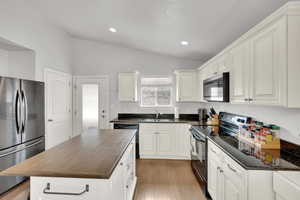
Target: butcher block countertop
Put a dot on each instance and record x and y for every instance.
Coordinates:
(94, 154)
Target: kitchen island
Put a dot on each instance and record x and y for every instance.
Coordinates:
(99, 164)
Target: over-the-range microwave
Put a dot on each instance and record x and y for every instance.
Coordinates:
(216, 88)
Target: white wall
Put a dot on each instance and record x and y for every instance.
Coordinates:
(3, 62)
(21, 64)
(287, 119)
(25, 26)
(95, 58)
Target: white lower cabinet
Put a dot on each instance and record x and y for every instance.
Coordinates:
(233, 180)
(169, 140)
(165, 142)
(120, 186)
(227, 180)
(214, 177)
(147, 141)
(287, 185)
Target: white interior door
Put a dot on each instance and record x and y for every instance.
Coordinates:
(58, 107)
(91, 104)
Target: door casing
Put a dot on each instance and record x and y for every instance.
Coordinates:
(103, 117)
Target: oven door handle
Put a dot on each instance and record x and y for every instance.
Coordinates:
(197, 137)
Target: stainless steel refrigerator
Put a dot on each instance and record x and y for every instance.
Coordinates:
(22, 124)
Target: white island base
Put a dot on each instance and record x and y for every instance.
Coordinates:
(120, 186)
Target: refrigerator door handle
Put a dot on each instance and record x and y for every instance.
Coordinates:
(18, 111)
(24, 111)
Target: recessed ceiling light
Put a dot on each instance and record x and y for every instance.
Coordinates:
(113, 30)
(184, 43)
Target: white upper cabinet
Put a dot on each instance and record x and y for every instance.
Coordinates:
(128, 86)
(239, 76)
(218, 66)
(224, 63)
(258, 67)
(264, 62)
(268, 64)
(212, 69)
(187, 86)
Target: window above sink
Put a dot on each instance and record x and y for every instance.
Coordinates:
(156, 92)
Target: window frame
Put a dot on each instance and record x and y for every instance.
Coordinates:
(170, 86)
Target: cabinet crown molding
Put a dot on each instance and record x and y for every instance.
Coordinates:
(289, 9)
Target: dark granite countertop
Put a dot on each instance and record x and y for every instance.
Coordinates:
(253, 158)
(192, 119)
(143, 120)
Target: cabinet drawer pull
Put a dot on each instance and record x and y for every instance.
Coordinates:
(47, 191)
(231, 168)
(213, 151)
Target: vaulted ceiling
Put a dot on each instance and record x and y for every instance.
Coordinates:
(159, 25)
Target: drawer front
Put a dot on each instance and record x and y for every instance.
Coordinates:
(148, 127)
(44, 188)
(158, 126)
(166, 127)
(285, 188)
(213, 150)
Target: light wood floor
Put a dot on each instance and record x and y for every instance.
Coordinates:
(157, 180)
(166, 180)
(19, 193)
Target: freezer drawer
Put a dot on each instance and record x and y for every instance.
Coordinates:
(15, 155)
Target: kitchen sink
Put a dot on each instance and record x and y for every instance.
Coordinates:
(157, 120)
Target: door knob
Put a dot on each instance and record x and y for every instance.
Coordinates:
(50, 120)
